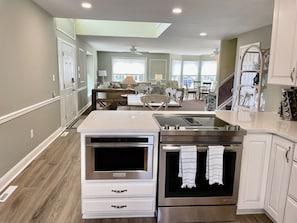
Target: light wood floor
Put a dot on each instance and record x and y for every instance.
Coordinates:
(49, 190)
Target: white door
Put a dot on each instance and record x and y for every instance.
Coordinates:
(67, 82)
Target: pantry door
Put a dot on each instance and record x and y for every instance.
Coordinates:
(67, 76)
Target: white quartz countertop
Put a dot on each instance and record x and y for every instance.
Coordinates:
(114, 121)
(259, 122)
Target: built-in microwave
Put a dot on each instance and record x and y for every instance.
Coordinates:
(119, 157)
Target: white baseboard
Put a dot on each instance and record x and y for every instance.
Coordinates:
(250, 211)
(20, 166)
(84, 109)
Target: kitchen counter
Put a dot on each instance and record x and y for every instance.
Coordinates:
(118, 121)
(142, 121)
(264, 122)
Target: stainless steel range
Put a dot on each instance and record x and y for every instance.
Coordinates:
(204, 202)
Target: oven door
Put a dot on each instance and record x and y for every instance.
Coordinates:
(119, 161)
(171, 193)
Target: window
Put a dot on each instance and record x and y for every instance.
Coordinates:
(176, 70)
(122, 67)
(190, 73)
(208, 71)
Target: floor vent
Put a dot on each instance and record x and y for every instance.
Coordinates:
(7, 193)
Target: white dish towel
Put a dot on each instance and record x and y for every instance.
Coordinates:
(214, 164)
(188, 166)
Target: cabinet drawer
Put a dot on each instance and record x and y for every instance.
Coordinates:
(118, 189)
(118, 205)
(293, 182)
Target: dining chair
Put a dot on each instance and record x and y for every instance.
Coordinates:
(204, 89)
(192, 91)
(155, 102)
(144, 89)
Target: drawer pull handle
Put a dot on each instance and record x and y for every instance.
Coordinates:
(119, 191)
(287, 154)
(118, 206)
(292, 73)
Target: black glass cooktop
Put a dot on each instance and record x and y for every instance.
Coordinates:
(190, 120)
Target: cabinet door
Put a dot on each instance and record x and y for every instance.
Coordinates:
(254, 170)
(282, 65)
(293, 183)
(278, 177)
(291, 211)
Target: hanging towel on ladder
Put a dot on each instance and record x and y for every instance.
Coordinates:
(188, 166)
(214, 165)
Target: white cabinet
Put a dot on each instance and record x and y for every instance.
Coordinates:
(112, 198)
(119, 189)
(291, 206)
(291, 211)
(283, 54)
(254, 170)
(278, 177)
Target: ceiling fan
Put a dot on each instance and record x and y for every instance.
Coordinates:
(215, 52)
(135, 51)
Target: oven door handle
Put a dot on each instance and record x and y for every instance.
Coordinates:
(200, 148)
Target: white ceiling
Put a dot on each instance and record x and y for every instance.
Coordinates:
(221, 19)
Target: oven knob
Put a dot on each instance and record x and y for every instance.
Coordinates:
(176, 127)
(166, 127)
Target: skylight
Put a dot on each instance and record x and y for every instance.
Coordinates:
(120, 28)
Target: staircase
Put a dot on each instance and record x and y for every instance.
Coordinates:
(225, 93)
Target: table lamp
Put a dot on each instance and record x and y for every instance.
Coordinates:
(102, 74)
(129, 80)
(158, 78)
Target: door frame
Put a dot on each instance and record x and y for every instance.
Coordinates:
(64, 122)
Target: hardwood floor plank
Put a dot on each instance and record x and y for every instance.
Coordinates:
(49, 190)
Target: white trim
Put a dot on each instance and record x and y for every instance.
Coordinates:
(84, 109)
(81, 88)
(26, 110)
(20, 166)
(65, 32)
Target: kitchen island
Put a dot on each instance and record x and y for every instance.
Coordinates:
(125, 121)
(265, 131)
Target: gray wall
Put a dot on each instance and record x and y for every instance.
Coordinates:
(28, 61)
(227, 59)
(105, 61)
(262, 35)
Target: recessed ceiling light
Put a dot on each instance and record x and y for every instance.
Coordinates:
(86, 5)
(177, 10)
(203, 34)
